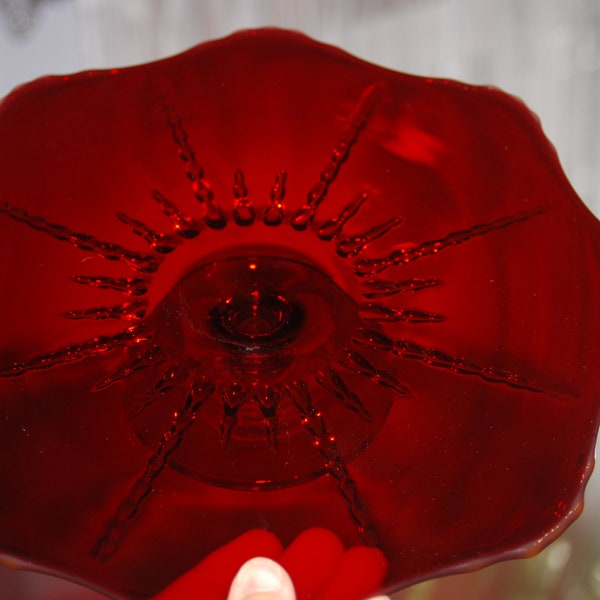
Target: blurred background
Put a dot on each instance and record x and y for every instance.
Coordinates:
(545, 51)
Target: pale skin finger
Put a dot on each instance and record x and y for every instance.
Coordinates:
(262, 579)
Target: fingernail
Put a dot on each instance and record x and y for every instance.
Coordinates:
(256, 576)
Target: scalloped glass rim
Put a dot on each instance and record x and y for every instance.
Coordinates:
(424, 217)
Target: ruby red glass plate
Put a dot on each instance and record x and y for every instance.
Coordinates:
(265, 285)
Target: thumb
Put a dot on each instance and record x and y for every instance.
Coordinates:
(262, 579)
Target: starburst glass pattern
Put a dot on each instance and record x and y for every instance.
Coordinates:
(265, 285)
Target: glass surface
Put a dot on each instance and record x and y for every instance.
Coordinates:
(264, 285)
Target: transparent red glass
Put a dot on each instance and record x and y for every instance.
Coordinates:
(265, 285)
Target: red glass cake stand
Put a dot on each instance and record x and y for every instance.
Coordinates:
(266, 286)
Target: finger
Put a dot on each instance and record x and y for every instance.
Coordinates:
(359, 573)
(310, 559)
(211, 578)
(262, 579)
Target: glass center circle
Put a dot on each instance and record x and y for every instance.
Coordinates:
(256, 350)
(263, 321)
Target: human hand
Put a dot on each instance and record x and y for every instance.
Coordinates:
(316, 562)
(264, 579)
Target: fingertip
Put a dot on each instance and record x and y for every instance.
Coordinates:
(262, 579)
